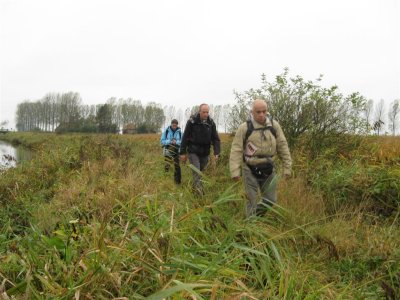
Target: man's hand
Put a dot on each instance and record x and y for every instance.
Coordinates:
(236, 178)
(183, 158)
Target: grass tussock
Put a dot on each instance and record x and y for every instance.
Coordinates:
(96, 217)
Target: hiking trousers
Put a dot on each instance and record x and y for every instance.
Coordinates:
(169, 160)
(200, 162)
(260, 192)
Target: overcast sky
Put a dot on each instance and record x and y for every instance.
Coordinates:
(183, 52)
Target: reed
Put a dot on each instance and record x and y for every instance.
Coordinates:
(96, 217)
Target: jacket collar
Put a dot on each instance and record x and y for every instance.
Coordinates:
(196, 118)
(259, 125)
(177, 128)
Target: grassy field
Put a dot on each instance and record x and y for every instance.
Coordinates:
(96, 217)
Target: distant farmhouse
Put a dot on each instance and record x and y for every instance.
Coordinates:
(129, 128)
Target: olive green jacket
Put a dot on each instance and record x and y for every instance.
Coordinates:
(267, 147)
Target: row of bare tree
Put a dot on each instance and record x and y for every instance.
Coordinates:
(66, 111)
(300, 106)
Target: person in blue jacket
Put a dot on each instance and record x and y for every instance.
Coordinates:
(171, 141)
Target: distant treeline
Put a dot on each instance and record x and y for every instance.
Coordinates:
(300, 106)
(66, 113)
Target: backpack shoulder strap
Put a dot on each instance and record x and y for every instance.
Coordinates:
(250, 129)
(272, 128)
(166, 136)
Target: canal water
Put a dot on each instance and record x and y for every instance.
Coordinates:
(10, 155)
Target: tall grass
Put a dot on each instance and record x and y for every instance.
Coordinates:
(356, 170)
(96, 217)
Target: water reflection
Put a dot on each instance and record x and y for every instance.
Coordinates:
(10, 155)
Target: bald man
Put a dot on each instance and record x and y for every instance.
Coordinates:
(256, 144)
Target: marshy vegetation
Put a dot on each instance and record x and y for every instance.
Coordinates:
(96, 217)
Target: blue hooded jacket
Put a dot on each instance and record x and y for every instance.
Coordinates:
(168, 134)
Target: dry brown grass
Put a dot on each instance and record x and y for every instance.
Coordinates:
(296, 197)
(353, 239)
(377, 149)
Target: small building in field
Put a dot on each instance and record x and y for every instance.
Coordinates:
(129, 128)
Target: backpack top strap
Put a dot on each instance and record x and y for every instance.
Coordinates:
(250, 129)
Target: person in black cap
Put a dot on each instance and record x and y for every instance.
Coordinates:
(171, 141)
(200, 133)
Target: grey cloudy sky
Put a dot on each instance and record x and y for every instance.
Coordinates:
(187, 52)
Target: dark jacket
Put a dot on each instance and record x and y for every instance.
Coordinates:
(198, 137)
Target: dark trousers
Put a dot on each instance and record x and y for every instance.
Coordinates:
(169, 160)
(200, 162)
